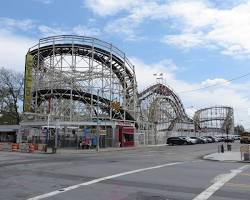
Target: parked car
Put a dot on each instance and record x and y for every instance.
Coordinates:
(189, 140)
(203, 139)
(212, 138)
(209, 140)
(229, 139)
(176, 140)
(199, 140)
(219, 138)
(236, 137)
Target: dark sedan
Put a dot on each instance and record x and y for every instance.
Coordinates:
(176, 140)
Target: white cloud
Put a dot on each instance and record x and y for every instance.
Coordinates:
(51, 31)
(194, 23)
(110, 7)
(78, 30)
(10, 24)
(224, 28)
(13, 25)
(123, 27)
(85, 31)
(13, 50)
(217, 81)
(186, 40)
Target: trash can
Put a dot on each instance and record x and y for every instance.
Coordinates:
(246, 156)
(229, 147)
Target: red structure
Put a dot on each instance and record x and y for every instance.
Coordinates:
(126, 136)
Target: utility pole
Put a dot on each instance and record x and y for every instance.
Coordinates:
(97, 131)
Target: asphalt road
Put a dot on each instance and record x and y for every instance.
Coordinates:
(155, 173)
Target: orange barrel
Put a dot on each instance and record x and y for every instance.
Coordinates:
(14, 147)
(31, 148)
(36, 147)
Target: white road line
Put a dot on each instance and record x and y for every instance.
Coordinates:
(50, 194)
(220, 181)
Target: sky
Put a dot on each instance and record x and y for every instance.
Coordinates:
(194, 43)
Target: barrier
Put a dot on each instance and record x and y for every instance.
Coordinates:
(7, 147)
(42, 147)
(14, 147)
(35, 147)
(24, 147)
(31, 148)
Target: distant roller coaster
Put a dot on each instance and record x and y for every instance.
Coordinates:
(215, 119)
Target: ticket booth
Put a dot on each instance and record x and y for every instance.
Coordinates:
(126, 136)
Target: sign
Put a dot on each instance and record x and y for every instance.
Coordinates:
(28, 83)
(115, 105)
(244, 149)
(125, 123)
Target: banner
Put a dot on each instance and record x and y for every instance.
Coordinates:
(28, 83)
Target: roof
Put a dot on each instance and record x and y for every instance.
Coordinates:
(9, 128)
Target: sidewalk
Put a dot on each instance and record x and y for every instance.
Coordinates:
(109, 149)
(227, 156)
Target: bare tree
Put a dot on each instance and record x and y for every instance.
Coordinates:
(11, 93)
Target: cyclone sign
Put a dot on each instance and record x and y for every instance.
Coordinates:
(28, 83)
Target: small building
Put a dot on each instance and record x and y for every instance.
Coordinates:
(8, 133)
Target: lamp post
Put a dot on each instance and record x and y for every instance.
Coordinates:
(47, 137)
(97, 131)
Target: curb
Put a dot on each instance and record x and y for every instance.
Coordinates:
(212, 158)
(93, 151)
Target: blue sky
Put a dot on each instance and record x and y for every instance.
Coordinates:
(194, 43)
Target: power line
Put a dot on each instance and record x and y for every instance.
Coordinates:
(216, 84)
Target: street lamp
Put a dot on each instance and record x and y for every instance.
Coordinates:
(98, 133)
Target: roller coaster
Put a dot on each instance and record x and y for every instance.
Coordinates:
(71, 75)
(76, 80)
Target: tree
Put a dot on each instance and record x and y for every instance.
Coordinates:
(239, 129)
(11, 93)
